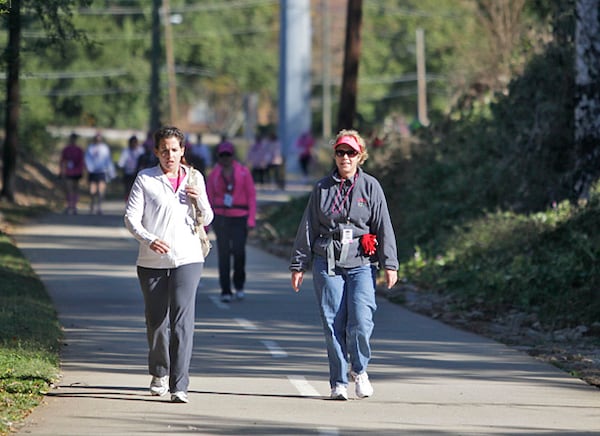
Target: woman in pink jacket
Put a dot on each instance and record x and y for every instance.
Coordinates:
(232, 196)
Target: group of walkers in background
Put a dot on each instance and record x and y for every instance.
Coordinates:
(97, 161)
(264, 159)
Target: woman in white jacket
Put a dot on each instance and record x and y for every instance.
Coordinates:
(159, 214)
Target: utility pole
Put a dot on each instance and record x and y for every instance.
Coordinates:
(170, 62)
(421, 79)
(326, 60)
(294, 75)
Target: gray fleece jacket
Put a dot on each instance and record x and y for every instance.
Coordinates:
(359, 205)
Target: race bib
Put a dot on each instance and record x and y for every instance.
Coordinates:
(347, 235)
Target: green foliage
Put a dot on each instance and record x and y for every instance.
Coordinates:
(37, 142)
(544, 262)
(221, 53)
(29, 337)
(534, 123)
(462, 53)
(279, 223)
(513, 152)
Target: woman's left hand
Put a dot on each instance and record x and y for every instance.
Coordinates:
(192, 192)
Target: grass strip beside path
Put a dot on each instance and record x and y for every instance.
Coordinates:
(29, 337)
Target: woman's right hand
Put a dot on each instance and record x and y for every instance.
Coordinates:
(159, 246)
(297, 277)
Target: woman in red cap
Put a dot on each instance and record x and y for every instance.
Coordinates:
(233, 197)
(346, 233)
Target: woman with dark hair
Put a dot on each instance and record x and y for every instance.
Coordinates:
(160, 215)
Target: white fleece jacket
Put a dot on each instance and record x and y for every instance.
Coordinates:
(155, 211)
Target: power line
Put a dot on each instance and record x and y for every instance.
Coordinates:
(387, 10)
(410, 77)
(70, 74)
(89, 92)
(56, 75)
(217, 7)
(143, 36)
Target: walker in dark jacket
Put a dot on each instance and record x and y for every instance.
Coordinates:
(346, 233)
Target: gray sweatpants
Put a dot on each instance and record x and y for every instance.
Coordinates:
(169, 298)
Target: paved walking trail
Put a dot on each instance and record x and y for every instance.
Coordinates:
(259, 366)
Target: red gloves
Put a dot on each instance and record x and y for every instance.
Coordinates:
(369, 243)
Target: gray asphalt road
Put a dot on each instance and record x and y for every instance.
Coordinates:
(259, 366)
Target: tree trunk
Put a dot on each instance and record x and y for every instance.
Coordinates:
(9, 156)
(154, 97)
(587, 96)
(347, 110)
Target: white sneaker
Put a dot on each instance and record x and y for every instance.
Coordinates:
(363, 385)
(179, 397)
(339, 392)
(240, 295)
(159, 385)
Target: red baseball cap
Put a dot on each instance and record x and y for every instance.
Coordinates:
(350, 141)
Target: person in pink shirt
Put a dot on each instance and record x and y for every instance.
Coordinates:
(71, 170)
(305, 145)
(232, 196)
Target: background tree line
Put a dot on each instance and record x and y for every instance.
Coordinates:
(225, 50)
(83, 62)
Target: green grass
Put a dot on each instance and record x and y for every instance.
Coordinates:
(544, 263)
(30, 335)
(279, 223)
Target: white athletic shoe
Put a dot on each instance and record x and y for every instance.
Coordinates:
(179, 397)
(159, 386)
(339, 392)
(363, 385)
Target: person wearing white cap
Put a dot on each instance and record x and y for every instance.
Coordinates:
(346, 233)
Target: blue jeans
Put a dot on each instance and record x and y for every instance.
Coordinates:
(346, 305)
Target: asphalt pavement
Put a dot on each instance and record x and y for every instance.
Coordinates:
(259, 365)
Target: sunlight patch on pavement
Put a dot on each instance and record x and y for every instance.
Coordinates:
(275, 350)
(328, 431)
(245, 324)
(84, 270)
(302, 386)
